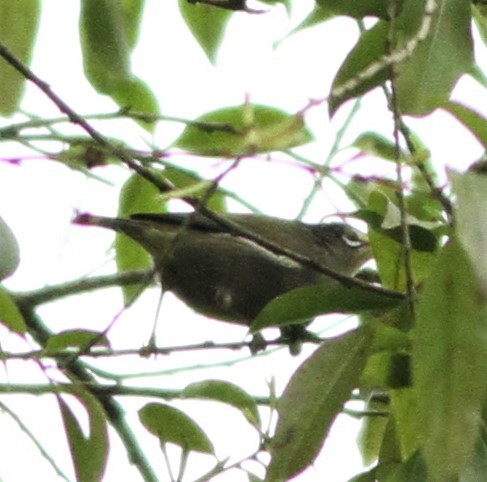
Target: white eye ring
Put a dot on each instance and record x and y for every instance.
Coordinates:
(352, 241)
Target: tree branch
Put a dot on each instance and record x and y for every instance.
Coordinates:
(76, 287)
(78, 373)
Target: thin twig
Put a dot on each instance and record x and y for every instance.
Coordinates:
(75, 118)
(406, 238)
(393, 57)
(78, 373)
(102, 390)
(34, 440)
(53, 293)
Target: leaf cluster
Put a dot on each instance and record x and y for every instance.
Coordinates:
(415, 360)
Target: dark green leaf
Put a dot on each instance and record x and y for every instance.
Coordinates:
(18, 29)
(244, 129)
(286, 3)
(305, 303)
(89, 452)
(312, 399)
(10, 315)
(426, 79)
(477, 468)
(225, 392)
(370, 47)
(390, 451)
(106, 39)
(474, 121)
(174, 426)
(78, 339)
(364, 8)
(207, 24)
(413, 469)
(369, 476)
(9, 251)
(449, 359)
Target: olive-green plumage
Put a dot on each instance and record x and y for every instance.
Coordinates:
(229, 277)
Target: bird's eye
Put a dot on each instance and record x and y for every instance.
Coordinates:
(352, 239)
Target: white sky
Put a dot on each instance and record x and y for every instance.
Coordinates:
(37, 200)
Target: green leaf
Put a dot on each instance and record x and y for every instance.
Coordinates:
(183, 179)
(404, 406)
(471, 211)
(305, 303)
(137, 196)
(369, 476)
(225, 392)
(377, 145)
(474, 121)
(132, 11)
(106, 39)
(426, 79)
(372, 431)
(106, 54)
(477, 468)
(135, 95)
(364, 8)
(207, 24)
(9, 251)
(315, 17)
(449, 359)
(287, 4)
(480, 17)
(10, 315)
(312, 399)
(412, 469)
(389, 256)
(78, 339)
(242, 130)
(18, 29)
(89, 452)
(370, 47)
(173, 425)
(390, 453)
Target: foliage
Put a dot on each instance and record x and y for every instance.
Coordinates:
(415, 359)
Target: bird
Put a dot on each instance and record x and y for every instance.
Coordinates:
(231, 269)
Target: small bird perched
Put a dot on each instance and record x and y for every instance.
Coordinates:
(222, 274)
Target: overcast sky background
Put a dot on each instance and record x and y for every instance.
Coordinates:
(38, 198)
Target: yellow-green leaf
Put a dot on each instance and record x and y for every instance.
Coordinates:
(137, 196)
(172, 425)
(207, 24)
(243, 130)
(10, 315)
(18, 29)
(226, 392)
